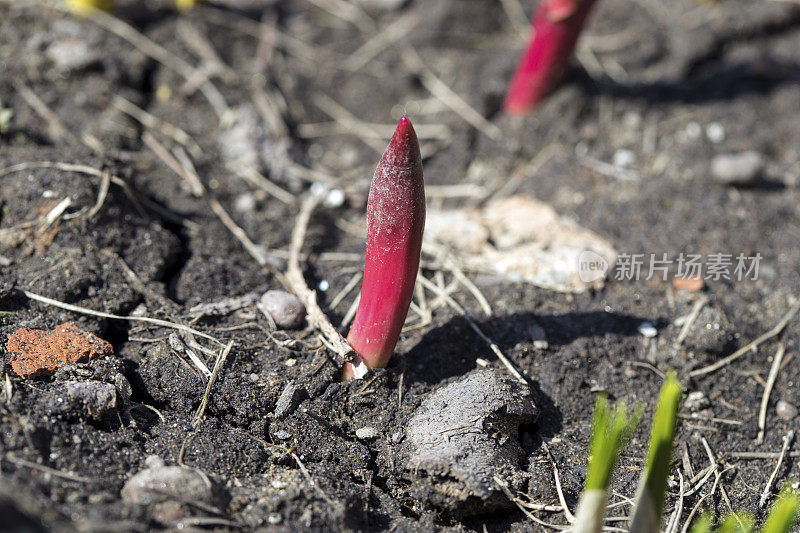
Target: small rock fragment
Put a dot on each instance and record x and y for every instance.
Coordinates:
(785, 410)
(289, 399)
(742, 167)
(538, 336)
(696, 401)
(648, 329)
(285, 309)
(334, 198)
(366, 433)
(245, 203)
(624, 158)
(36, 352)
(97, 399)
(70, 48)
(160, 483)
(694, 130)
(123, 386)
(282, 434)
(715, 132)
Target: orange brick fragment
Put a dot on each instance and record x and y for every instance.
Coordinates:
(691, 284)
(36, 352)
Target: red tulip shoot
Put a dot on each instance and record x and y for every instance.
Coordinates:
(395, 221)
(556, 27)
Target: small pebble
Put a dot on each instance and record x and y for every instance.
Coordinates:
(323, 285)
(366, 433)
(648, 329)
(245, 203)
(159, 483)
(97, 399)
(289, 399)
(694, 130)
(334, 198)
(123, 386)
(715, 132)
(696, 400)
(286, 310)
(740, 167)
(538, 336)
(282, 434)
(624, 158)
(786, 410)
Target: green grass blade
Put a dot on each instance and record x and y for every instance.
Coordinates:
(784, 513)
(736, 523)
(702, 524)
(611, 432)
(653, 483)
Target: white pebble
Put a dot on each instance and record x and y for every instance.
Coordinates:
(786, 410)
(335, 198)
(285, 309)
(715, 132)
(245, 203)
(317, 189)
(366, 433)
(624, 158)
(648, 329)
(694, 130)
(323, 285)
(739, 167)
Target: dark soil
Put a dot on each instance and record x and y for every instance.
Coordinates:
(660, 79)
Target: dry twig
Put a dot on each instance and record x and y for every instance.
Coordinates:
(774, 332)
(773, 375)
(297, 283)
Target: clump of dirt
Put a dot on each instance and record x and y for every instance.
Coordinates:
(465, 435)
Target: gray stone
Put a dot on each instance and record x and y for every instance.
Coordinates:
(742, 167)
(123, 387)
(97, 399)
(696, 401)
(538, 336)
(285, 309)
(366, 433)
(785, 410)
(159, 483)
(462, 436)
(289, 399)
